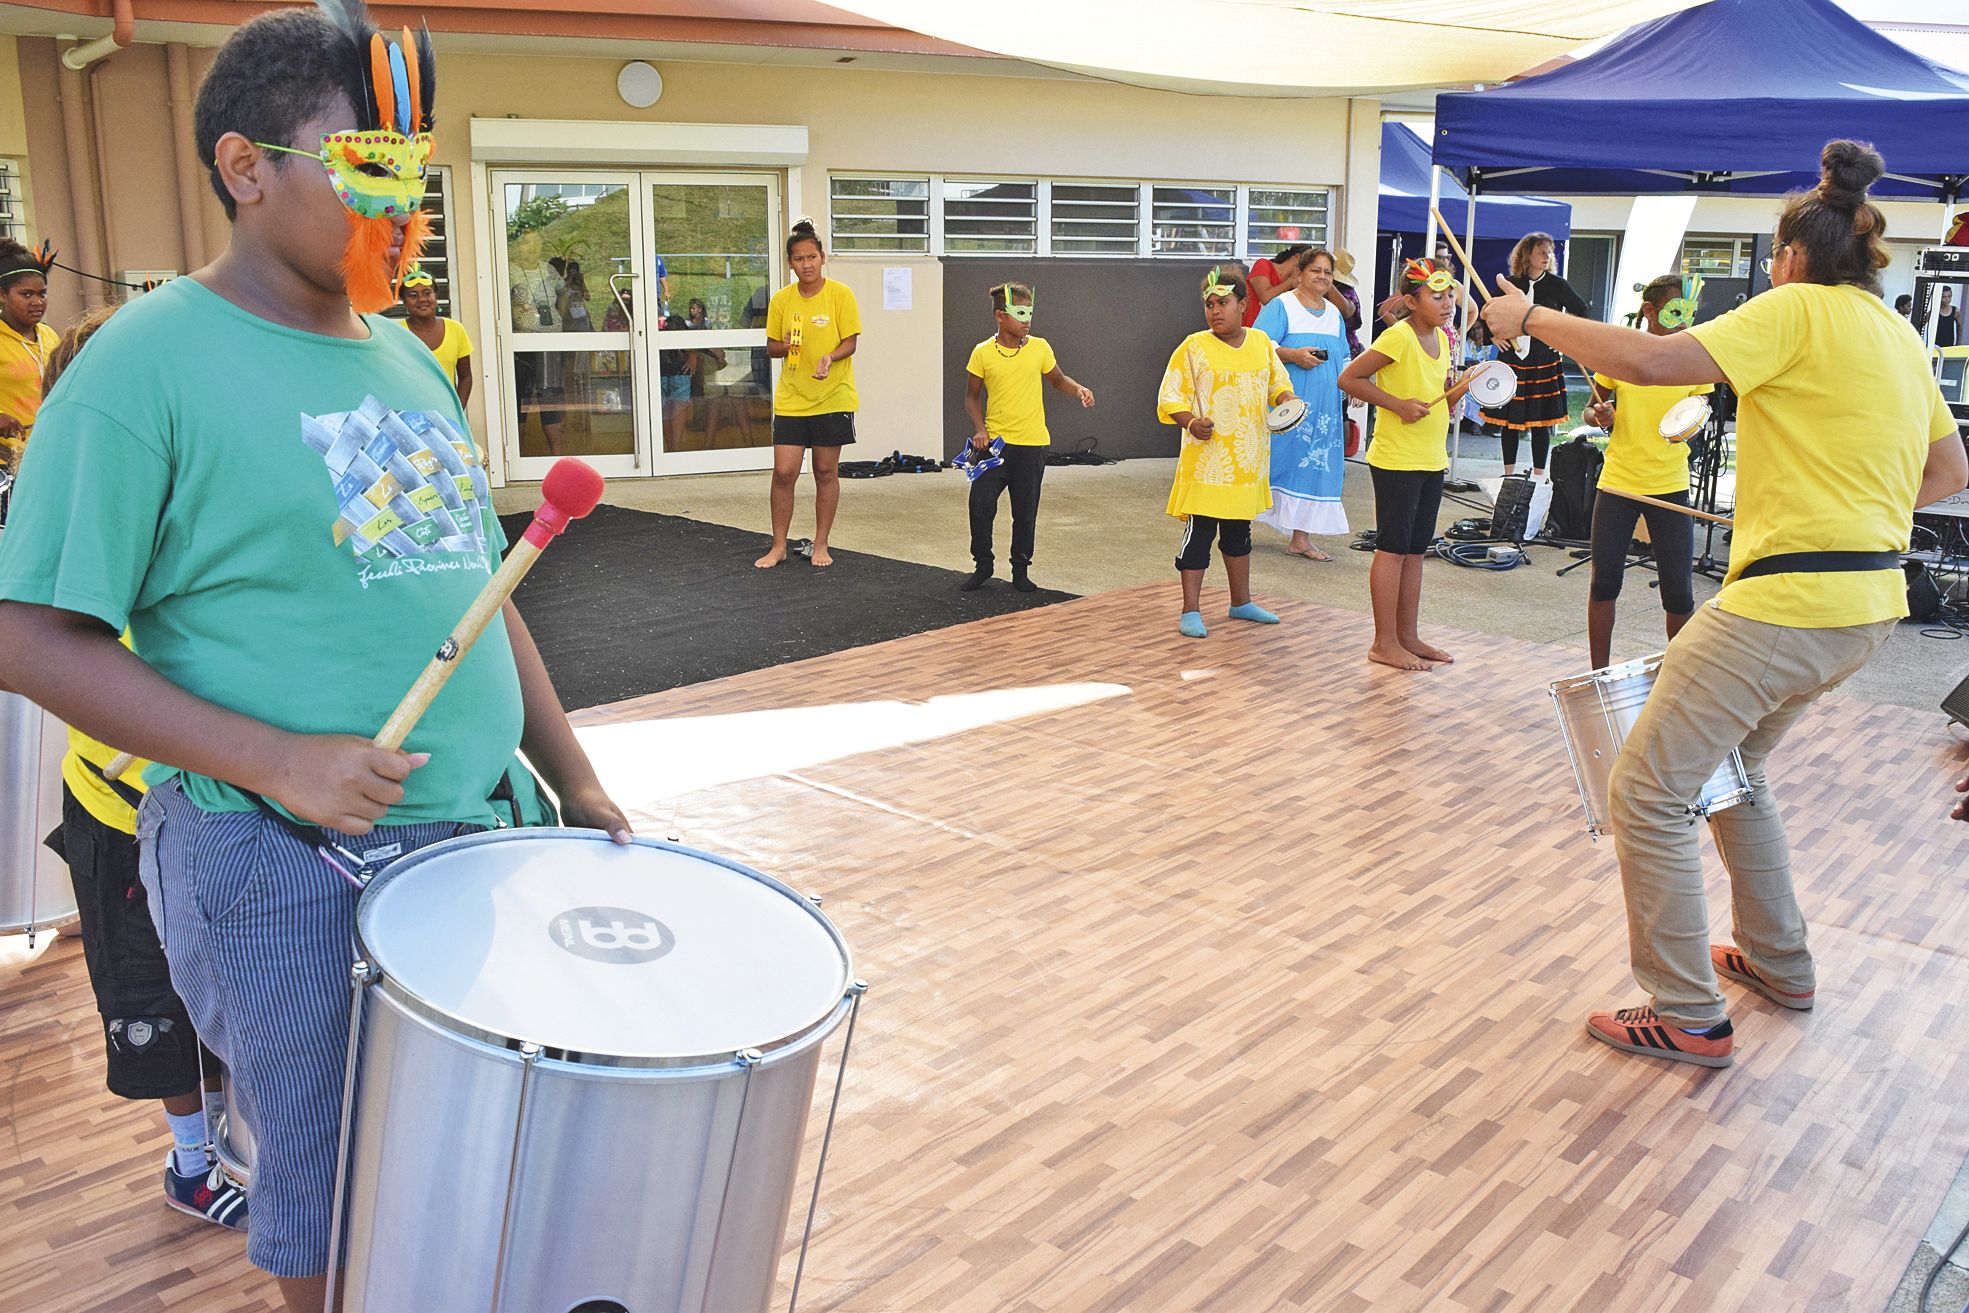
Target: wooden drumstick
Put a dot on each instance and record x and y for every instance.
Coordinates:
(1462, 255)
(1668, 505)
(571, 490)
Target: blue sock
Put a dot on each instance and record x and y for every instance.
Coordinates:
(1254, 612)
(1191, 625)
(188, 1135)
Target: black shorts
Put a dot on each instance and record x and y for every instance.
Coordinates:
(834, 429)
(151, 1047)
(1233, 536)
(1405, 506)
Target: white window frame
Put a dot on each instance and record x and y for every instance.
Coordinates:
(1044, 244)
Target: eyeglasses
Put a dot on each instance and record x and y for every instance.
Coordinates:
(1771, 259)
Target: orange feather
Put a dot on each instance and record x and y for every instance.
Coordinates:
(383, 83)
(365, 264)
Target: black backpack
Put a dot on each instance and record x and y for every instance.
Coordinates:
(1575, 469)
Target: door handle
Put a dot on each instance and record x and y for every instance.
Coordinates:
(615, 291)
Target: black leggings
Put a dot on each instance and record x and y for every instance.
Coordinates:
(1233, 536)
(1541, 446)
(1672, 536)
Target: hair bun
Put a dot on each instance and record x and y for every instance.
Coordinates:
(804, 226)
(1846, 170)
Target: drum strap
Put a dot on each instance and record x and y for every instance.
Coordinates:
(117, 787)
(1820, 563)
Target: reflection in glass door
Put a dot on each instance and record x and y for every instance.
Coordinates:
(713, 247)
(567, 344)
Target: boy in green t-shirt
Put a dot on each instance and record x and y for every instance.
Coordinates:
(278, 495)
(1008, 367)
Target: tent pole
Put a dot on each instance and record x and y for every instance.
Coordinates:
(1435, 199)
(1455, 482)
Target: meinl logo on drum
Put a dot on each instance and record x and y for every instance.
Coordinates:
(619, 935)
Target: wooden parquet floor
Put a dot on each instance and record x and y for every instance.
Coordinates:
(1235, 975)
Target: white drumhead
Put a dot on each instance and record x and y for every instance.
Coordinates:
(1493, 384)
(564, 939)
(1285, 415)
(1683, 418)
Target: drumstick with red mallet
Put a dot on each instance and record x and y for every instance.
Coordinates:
(570, 491)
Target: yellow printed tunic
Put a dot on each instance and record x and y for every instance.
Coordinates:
(1229, 476)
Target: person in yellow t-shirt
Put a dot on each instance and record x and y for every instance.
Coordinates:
(1640, 460)
(1217, 389)
(151, 1049)
(445, 336)
(1404, 374)
(24, 344)
(813, 325)
(1828, 477)
(1003, 396)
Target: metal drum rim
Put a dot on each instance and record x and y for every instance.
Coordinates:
(1612, 674)
(820, 1027)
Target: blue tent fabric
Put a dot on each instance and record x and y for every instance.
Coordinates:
(1404, 204)
(1735, 96)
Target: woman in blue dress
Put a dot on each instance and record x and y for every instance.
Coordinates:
(1309, 327)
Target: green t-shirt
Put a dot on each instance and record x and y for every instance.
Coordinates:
(288, 524)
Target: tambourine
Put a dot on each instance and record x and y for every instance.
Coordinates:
(1685, 419)
(1286, 415)
(1492, 384)
(975, 462)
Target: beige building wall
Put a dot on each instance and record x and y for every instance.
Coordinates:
(857, 121)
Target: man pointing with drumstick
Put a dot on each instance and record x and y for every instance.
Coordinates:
(1828, 477)
(276, 489)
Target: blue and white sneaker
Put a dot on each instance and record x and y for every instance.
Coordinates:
(211, 1195)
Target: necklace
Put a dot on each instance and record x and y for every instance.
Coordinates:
(1014, 351)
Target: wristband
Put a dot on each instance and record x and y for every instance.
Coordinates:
(1524, 324)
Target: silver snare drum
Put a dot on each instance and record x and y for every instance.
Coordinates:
(1596, 711)
(35, 891)
(583, 1073)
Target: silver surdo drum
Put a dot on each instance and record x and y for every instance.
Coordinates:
(1596, 711)
(232, 1138)
(581, 1077)
(35, 891)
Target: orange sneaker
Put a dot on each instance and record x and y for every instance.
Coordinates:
(1639, 1030)
(1729, 962)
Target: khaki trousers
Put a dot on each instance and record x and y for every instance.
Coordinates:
(1726, 682)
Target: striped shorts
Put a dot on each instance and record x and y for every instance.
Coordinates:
(258, 930)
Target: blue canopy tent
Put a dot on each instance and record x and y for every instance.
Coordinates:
(1731, 97)
(1403, 214)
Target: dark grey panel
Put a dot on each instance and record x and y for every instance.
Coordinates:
(1113, 325)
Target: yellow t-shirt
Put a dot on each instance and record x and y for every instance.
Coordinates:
(1639, 459)
(455, 346)
(813, 326)
(1413, 373)
(21, 362)
(1827, 460)
(1015, 389)
(90, 789)
(1230, 475)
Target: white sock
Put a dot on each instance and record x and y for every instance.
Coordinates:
(188, 1135)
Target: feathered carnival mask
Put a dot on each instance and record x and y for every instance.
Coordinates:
(1676, 312)
(379, 169)
(1218, 282)
(1418, 274)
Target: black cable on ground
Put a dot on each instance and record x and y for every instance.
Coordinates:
(1928, 1286)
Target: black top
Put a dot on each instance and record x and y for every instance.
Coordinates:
(1948, 327)
(1553, 293)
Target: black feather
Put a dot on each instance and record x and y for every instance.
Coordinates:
(350, 20)
(427, 74)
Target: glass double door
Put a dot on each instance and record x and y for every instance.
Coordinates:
(634, 324)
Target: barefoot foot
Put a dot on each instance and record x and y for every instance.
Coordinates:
(820, 555)
(771, 558)
(1397, 656)
(1427, 651)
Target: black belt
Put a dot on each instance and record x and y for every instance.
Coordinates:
(117, 787)
(1820, 563)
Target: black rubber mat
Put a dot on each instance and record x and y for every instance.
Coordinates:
(631, 602)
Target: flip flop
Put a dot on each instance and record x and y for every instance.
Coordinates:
(1312, 554)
